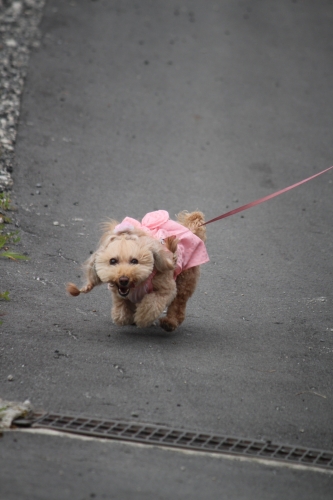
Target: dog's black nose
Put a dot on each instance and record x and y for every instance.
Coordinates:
(123, 281)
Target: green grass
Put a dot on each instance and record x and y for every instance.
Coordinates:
(5, 202)
(7, 238)
(4, 295)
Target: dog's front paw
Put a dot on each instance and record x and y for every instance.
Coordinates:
(122, 322)
(122, 316)
(168, 325)
(144, 323)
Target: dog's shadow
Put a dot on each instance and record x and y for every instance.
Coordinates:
(134, 333)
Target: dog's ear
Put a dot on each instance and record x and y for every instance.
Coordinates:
(91, 276)
(163, 258)
(75, 291)
(89, 266)
(90, 272)
(171, 243)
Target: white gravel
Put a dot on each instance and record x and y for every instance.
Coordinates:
(19, 20)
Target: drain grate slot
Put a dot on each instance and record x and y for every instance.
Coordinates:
(185, 439)
(144, 433)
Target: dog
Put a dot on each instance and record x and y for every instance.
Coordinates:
(149, 266)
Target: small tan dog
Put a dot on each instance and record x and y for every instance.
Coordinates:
(149, 266)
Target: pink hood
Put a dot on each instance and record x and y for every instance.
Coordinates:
(191, 250)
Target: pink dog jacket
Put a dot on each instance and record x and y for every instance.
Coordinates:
(191, 250)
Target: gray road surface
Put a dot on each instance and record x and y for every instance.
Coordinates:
(131, 107)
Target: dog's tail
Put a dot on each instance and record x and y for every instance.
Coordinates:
(194, 221)
(75, 291)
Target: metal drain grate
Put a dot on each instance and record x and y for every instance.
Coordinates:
(165, 436)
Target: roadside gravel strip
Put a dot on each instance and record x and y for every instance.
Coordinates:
(19, 20)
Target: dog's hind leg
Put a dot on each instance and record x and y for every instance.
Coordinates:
(186, 283)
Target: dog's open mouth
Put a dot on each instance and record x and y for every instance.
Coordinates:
(123, 291)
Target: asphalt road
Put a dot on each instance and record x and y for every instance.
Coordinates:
(133, 107)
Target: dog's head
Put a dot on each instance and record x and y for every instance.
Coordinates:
(128, 258)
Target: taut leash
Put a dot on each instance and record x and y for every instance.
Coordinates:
(265, 198)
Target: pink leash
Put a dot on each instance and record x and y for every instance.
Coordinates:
(265, 198)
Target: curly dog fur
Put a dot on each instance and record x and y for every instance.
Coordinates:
(139, 270)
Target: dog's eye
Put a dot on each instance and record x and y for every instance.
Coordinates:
(113, 262)
(134, 261)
